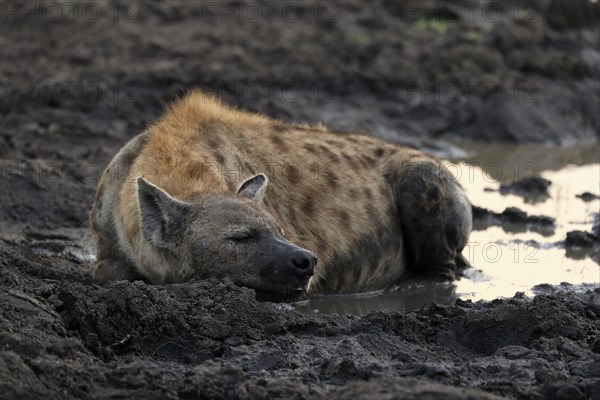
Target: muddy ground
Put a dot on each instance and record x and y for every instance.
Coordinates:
(79, 79)
(63, 336)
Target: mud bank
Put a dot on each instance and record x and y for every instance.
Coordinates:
(63, 336)
(409, 71)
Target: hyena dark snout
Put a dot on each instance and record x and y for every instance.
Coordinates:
(295, 261)
(303, 263)
(286, 268)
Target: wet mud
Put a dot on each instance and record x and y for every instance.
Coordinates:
(534, 188)
(63, 336)
(512, 219)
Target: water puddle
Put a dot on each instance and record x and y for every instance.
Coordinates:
(512, 257)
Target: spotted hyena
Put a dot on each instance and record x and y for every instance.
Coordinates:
(212, 191)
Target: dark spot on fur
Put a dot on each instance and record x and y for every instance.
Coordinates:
(368, 161)
(213, 142)
(353, 193)
(131, 154)
(351, 161)
(310, 148)
(293, 174)
(322, 244)
(278, 142)
(335, 143)
(384, 190)
(371, 212)
(332, 156)
(433, 194)
(196, 169)
(379, 152)
(280, 128)
(368, 193)
(99, 201)
(231, 185)
(220, 159)
(127, 160)
(292, 216)
(344, 219)
(308, 205)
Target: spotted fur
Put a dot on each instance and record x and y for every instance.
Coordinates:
(363, 206)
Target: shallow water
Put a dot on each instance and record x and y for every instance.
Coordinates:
(509, 258)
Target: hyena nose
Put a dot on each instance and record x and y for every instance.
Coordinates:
(304, 263)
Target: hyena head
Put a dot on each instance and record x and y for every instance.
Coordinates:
(227, 236)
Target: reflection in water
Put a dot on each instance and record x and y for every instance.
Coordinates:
(512, 221)
(404, 298)
(514, 228)
(509, 162)
(508, 257)
(579, 253)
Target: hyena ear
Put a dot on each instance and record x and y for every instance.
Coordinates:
(161, 216)
(254, 188)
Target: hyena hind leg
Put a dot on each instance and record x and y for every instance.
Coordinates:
(109, 270)
(435, 216)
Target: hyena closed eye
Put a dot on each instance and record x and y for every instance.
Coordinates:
(168, 207)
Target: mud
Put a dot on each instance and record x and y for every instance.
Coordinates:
(63, 336)
(75, 88)
(587, 196)
(582, 239)
(533, 188)
(408, 71)
(512, 219)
